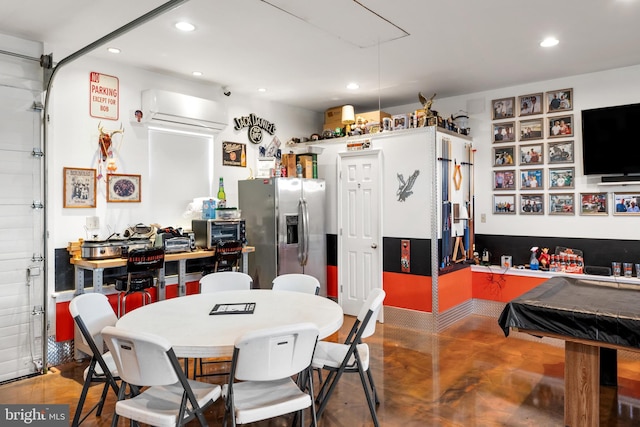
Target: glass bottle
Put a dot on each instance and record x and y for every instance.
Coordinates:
(222, 196)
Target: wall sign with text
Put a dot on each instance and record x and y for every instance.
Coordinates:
(234, 154)
(104, 96)
(256, 125)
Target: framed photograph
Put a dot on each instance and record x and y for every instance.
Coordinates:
(504, 204)
(531, 179)
(530, 129)
(593, 204)
(532, 204)
(79, 188)
(531, 154)
(503, 108)
(626, 203)
(400, 121)
(561, 178)
(503, 156)
(504, 132)
(559, 100)
(504, 180)
(123, 188)
(561, 152)
(560, 126)
(561, 204)
(530, 104)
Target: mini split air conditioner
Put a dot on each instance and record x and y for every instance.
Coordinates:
(165, 108)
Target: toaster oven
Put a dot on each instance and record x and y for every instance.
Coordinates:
(208, 232)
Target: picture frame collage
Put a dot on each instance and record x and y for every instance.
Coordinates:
(534, 154)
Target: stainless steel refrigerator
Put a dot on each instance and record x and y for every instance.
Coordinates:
(285, 222)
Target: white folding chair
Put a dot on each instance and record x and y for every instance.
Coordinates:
(352, 356)
(171, 399)
(91, 312)
(225, 281)
(264, 362)
(219, 282)
(297, 283)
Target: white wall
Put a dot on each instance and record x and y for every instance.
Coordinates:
(607, 88)
(74, 136)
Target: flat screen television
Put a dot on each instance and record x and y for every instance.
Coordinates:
(611, 142)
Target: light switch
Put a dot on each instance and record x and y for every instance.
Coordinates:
(483, 217)
(93, 222)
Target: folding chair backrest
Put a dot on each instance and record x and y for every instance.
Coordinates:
(142, 260)
(374, 304)
(228, 254)
(142, 359)
(274, 353)
(225, 281)
(297, 282)
(95, 312)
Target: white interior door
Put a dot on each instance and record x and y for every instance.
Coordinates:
(359, 240)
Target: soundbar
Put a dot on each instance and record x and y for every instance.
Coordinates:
(620, 178)
(597, 270)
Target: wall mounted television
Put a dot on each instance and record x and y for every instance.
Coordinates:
(611, 142)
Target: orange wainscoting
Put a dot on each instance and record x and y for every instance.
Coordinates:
(407, 291)
(454, 289)
(502, 287)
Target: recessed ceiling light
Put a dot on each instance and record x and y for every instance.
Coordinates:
(185, 26)
(353, 86)
(549, 42)
(261, 89)
(197, 73)
(113, 50)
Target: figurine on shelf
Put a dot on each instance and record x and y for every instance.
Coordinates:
(426, 104)
(544, 259)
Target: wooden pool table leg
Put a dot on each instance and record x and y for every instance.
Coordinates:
(581, 385)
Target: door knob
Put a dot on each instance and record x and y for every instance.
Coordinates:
(373, 245)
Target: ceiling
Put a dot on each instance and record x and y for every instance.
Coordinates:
(304, 52)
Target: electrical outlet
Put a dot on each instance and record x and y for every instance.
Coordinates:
(483, 217)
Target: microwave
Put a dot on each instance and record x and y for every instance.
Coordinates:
(208, 232)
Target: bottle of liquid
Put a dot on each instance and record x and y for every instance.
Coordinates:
(299, 170)
(222, 196)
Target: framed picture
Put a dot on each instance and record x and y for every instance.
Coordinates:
(593, 204)
(504, 132)
(531, 154)
(626, 203)
(234, 154)
(559, 100)
(79, 188)
(561, 178)
(503, 108)
(532, 204)
(561, 204)
(400, 121)
(123, 188)
(504, 204)
(531, 179)
(560, 126)
(530, 104)
(503, 156)
(504, 180)
(530, 129)
(561, 152)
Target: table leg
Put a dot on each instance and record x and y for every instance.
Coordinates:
(160, 289)
(182, 277)
(581, 385)
(79, 277)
